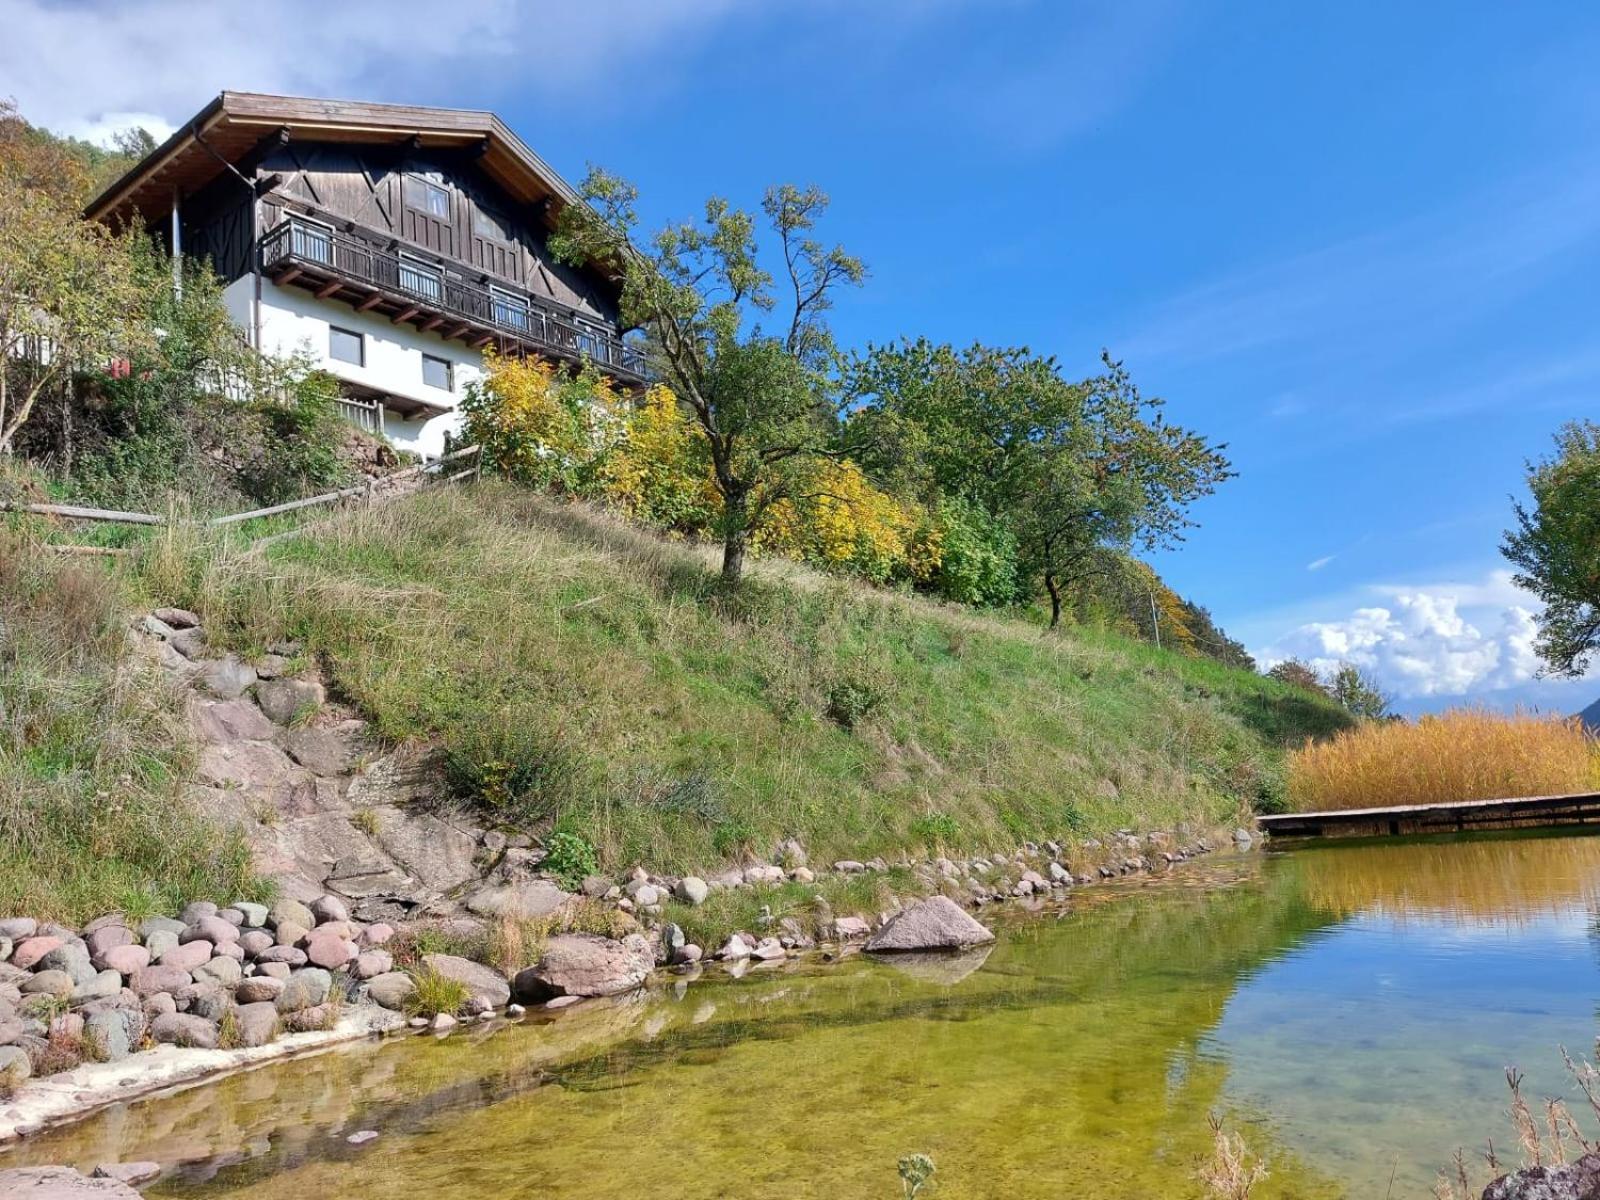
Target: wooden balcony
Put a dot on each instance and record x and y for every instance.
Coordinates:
(419, 292)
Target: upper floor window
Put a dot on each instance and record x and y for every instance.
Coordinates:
(420, 278)
(510, 309)
(490, 224)
(426, 196)
(346, 345)
(436, 372)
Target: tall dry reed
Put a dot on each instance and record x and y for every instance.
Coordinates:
(1462, 754)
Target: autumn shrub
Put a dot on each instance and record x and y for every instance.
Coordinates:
(1463, 754)
(540, 424)
(658, 470)
(836, 520)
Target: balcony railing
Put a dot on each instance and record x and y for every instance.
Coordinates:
(319, 250)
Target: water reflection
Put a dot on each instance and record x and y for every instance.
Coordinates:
(1351, 1006)
(1470, 879)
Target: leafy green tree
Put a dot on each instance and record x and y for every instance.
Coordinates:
(70, 298)
(1358, 693)
(1297, 673)
(762, 394)
(1556, 548)
(1069, 466)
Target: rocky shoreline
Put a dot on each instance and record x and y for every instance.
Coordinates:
(388, 905)
(119, 1009)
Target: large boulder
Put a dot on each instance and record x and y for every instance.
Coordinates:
(178, 618)
(147, 981)
(187, 956)
(258, 989)
(255, 1024)
(230, 720)
(105, 937)
(184, 1029)
(481, 981)
(215, 930)
(392, 990)
(49, 983)
(286, 699)
(227, 677)
(529, 901)
(305, 988)
(329, 907)
(330, 950)
(691, 889)
(582, 964)
(125, 960)
(114, 1033)
(104, 986)
(27, 952)
(937, 923)
(290, 912)
(70, 957)
(1571, 1181)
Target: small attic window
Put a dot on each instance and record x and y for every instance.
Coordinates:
(426, 196)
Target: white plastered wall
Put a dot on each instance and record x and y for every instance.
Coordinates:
(293, 320)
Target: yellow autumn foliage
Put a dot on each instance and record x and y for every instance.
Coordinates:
(835, 519)
(539, 423)
(658, 470)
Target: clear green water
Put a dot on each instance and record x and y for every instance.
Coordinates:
(1350, 1008)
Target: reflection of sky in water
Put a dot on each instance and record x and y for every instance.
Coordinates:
(1383, 1039)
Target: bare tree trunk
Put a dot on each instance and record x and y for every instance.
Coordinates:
(1054, 585)
(735, 533)
(733, 548)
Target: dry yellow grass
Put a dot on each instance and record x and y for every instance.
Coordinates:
(1463, 754)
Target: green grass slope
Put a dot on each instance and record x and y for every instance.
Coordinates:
(579, 674)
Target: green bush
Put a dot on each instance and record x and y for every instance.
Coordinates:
(978, 563)
(570, 858)
(511, 769)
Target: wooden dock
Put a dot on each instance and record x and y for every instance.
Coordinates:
(1520, 812)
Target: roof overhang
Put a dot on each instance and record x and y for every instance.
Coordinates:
(227, 130)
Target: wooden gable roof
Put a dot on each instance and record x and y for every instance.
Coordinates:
(236, 128)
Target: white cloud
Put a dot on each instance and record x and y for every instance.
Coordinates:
(78, 67)
(1431, 640)
(1316, 564)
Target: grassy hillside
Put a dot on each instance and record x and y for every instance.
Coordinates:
(578, 673)
(93, 757)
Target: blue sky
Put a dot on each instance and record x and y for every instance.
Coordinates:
(1357, 242)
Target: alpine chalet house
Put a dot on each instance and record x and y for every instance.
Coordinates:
(394, 244)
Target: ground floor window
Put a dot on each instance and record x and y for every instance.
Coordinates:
(436, 372)
(346, 345)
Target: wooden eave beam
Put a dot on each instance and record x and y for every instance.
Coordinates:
(329, 288)
(431, 323)
(287, 276)
(371, 301)
(480, 342)
(406, 313)
(456, 331)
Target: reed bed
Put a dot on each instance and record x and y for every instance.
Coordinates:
(1462, 754)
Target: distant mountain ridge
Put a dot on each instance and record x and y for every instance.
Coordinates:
(1591, 717)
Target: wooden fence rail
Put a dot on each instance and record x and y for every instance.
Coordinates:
(368, 489)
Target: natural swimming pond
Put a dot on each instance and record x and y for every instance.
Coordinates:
(1349, 1008)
